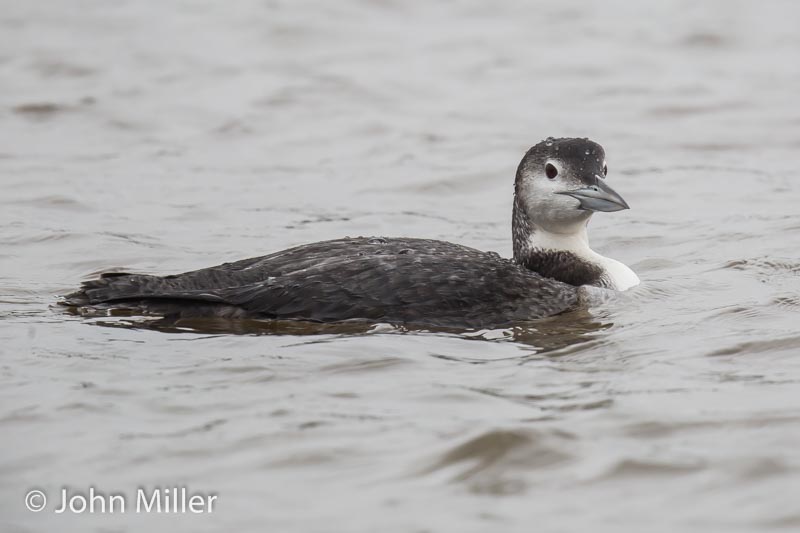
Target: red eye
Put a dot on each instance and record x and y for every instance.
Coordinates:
(605, 170)
(550, 170)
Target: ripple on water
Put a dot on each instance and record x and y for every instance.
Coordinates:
(40, 110)
(765, 266)
(703, 39)
(496, 461)
(654, 429)
(223, 376)
(56, 202)
(202, 428)
(667, 288)
(744, 314)
(759, 346)
(369, 365)
(761, 468)
(555, 335)
(39, 237)
(562, 401)
(631, 468)
(654, 264)
(787, 303)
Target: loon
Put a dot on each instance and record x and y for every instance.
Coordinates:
(559, 184)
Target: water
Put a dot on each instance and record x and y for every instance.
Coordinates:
(166, 136)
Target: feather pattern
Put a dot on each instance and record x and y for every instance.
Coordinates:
(400, 280)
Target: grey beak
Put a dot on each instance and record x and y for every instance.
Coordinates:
(598, 197)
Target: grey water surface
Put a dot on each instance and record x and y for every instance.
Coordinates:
(160, 137)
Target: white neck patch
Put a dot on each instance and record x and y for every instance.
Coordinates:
(621, 277)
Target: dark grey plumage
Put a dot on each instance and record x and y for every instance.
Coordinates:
(564, 266)
(403, 281)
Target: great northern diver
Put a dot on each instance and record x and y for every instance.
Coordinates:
(559, 184)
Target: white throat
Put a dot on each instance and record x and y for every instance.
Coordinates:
(619, 276)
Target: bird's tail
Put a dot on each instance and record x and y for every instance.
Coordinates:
(108, 287)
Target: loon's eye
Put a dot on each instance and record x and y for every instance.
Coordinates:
(551, 170)
(605, 169)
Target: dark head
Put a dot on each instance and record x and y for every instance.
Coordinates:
(560, 183)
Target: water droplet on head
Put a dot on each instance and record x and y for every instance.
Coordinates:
(549, 141)
(587, 152)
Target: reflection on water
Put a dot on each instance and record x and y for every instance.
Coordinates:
(554, 334)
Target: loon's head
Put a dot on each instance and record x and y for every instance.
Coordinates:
(560, 183)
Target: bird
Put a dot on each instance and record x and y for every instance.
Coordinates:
(560, 183)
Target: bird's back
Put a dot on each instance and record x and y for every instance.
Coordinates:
(407, 281)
